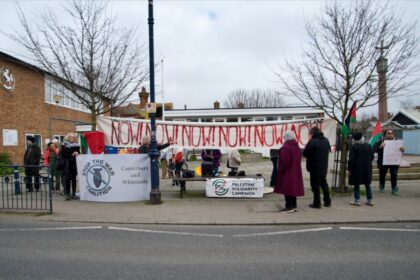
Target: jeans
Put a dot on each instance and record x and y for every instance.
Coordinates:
(357, 192)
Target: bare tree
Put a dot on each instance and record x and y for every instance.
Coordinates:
(90, 53)
(339, 65)
(364, 120)
(255, 98)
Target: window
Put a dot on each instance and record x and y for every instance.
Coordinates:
(59, 137)
(232, 119)
(286, 118)
(271, 118)
(258, 119)
(246, 119)
(68, 99)
(38, 140)
(206, 120)
(219, 119)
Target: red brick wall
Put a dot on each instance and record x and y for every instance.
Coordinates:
(25, 110)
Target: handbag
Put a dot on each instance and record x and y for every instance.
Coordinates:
(186, 173)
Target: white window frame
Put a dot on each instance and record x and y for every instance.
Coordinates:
(39, 142)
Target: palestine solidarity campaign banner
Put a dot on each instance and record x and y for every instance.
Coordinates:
(123, 132)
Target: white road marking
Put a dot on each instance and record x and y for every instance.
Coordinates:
(46, 229)
(165, 232)
(380, 229)
(283, 232)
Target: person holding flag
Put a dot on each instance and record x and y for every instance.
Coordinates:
(376, 134)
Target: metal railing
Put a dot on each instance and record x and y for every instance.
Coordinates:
(26, 191)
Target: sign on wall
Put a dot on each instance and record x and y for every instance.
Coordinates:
(124, 132)
(7, 79)
(232, 187)
(10, 137)
(114, 178)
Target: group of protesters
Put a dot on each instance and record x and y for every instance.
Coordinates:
(286, 179)
(287, 176)
(60, 158)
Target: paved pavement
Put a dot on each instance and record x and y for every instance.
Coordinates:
(195, 208)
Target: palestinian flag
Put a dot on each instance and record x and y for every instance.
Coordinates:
(376, 134)
(84, 144)
(351, 118)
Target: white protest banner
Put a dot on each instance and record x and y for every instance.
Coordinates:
(114, 178)
(392, 153)
(232, 187)
(123, 132)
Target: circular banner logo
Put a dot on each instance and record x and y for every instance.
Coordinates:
(220, 187)
(98, 177)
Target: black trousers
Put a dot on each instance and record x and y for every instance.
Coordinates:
(273, 173)
(32, 172)
(290, 201)
(70, 174)
(318, 183)
(393, 169)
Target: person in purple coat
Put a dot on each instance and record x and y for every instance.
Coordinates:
(212, 155)
(289, 173)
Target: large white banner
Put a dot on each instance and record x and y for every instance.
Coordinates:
(123, 132)
(232, 187)
(114, 178)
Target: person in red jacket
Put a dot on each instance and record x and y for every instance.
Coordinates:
(50, 160)
(289, 172)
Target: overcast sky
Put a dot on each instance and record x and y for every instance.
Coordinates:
(209, 48)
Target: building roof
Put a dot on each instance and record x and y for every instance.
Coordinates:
(8, 57)
(388, 123)
(223, 112)
(412, 114)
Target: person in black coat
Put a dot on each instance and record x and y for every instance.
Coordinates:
(31, 161)
(360, 168)
(69, 151)
(316, 153)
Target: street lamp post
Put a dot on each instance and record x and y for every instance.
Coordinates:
(155, 196)
(382, 68)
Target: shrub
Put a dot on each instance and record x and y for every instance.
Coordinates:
(5, 159)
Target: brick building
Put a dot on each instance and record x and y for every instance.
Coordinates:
(33, 103)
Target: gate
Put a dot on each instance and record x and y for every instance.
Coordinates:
(31, 192)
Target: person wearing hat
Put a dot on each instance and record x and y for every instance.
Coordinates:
(31, 161)
(360, 168)
(316, 152)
